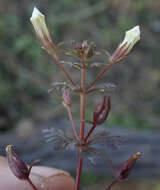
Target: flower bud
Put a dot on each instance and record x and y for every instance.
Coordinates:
(89, 52)
(99, 108)
(125, 169)
(101, 111)
(41, 30)
(131, 38)
(66, 98)
(85, 49)
(17, 166)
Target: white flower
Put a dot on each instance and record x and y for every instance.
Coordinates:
(132, 36)
(41, 30)
(39, 24)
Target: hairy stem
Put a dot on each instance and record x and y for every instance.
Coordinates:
(30, 182)
(73, 123)
(82, 125)
(99, 76)
(63, 69)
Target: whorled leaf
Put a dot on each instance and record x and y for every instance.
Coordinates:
(101, 53)
(72, 52)
(63, 43)
(60, 44)
(70, 49)
(103, 87)
(71, 64)
(99, 144)
(97, 64)
(91, 153)
(59, 86)
(62, 140)
(106, 139)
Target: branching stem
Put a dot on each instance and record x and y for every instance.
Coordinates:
(63, 69)
(82, 125)
(99, 76)
(73, 123)
(89, 133)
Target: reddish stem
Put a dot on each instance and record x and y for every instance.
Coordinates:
(111, 185)
(82, 126)
(30, 182)
(34, 163)
(99, 76)
(73, 123)
(83, 103)
(89, 133)
(112, 167)
(63, 69)
(79, 171)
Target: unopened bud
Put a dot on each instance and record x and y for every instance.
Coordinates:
(66, 98)
(17, 166)
(101, 111)
(99, 108)
(90, 50)
(86, 49)
(41, 30)
(131, 38)
(81, 47)
(125, 169)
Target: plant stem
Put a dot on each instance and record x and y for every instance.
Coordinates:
(30, 182)
(99, 75)
(83, 103)
(33, 163)
(111, 185)
(89, 133)
(63, 69)
(79, 170)
(73, 123)
(82, 125)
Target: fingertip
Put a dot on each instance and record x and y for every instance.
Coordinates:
(60, 182)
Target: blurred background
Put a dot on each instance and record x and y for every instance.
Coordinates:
(27, 71)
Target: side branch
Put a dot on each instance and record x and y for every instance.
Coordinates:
(89, 133)
(63, 69)
(73, 123)
(99, 76)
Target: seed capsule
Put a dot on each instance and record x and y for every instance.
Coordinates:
(101, 111)
(66, 98)
(125, 169)
(17, 166)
